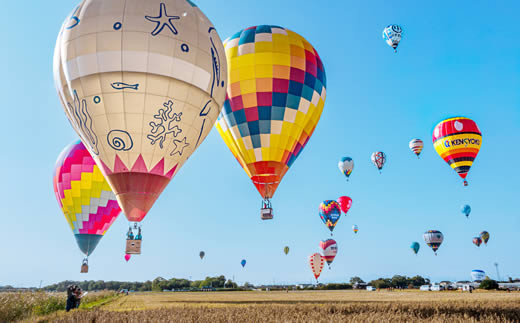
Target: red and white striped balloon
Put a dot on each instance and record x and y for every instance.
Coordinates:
(316, 262)
(416, 145)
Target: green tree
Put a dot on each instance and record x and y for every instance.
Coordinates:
(399, 281)
(488, 284)
(356, 280)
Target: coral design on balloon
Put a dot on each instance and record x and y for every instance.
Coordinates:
(168, 125)
(120, 140)
(84, 122)
(163, 20)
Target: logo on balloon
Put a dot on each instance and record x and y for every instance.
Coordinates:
(458, 125)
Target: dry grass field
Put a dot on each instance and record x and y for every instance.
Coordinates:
(303, 306)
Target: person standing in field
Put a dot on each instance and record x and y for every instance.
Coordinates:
(77, 296)
(70, 298)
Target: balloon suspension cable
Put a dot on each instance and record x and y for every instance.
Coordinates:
(85, 260)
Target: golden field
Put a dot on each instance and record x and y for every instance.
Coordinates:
(302, 306)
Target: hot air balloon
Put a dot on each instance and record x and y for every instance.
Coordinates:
(127, 257)
(316, 262)
(202, 254)
(346, 166)
(141, 84)
(275, 98)
(433, 239)
(286, 250)
(392, 35)
(416, 145)
(379, 159)
(345, 203)
(243, 263)
(89, 205)
(457, 140)
(355, 228)
(477, 241)
(484, 235)
(329, 249)
(330, 213)
(415, 247)
(466, 210)
(478, 275)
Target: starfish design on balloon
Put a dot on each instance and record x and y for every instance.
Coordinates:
(179, 146)
(163, 20)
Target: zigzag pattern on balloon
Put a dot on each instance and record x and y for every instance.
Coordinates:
(139, 166)
(83, 194)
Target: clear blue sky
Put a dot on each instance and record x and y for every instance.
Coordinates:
(455, 59)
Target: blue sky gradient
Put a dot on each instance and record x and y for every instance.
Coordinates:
(456, 58)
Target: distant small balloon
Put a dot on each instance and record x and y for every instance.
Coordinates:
(416, 145)
(379, 159)
(466, 210)
(433, 239)
(286, 250)
(127, 257)
(392, 35)
(346, 166)
(355, 228)
(477, 241)
(484, 235)
(243, 263)
(201, 254)
(345, 203)
(415, 247)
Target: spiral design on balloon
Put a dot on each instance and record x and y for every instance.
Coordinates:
(120, 140)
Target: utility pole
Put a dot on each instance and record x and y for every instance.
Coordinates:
(498, 274)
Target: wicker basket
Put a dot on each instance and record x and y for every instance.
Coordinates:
(84, 268)
(266, 214)
(133, 247)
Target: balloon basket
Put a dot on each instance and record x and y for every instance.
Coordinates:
(84, 267)
(133, 247)
(266, 214)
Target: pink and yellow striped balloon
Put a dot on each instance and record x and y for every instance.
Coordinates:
(84, 196)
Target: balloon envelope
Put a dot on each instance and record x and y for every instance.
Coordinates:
(316, 262)
(329, 249)
(416, 145)
(286, 250)
(141, 87)
(415, 247)
(355, 228)
(201, 254)
(243, 263)
(392, 35)
(330, 213)
(484, 235)
(477, 241)
(466, 210)
(433, 239)
(275, 98)
(378, 159)
(478, 275)
(346, 166)
(458, 140)
(84, 196)
(127, 257)
(345, 203)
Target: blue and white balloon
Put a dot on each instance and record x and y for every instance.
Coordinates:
(392, 34)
